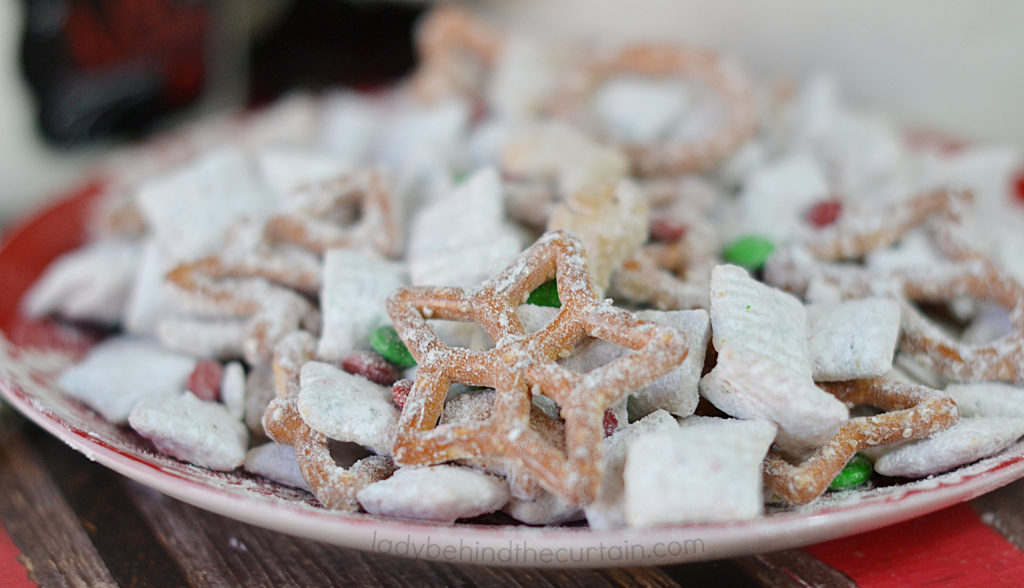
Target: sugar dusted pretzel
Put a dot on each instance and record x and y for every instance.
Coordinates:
(351, 211)
(453, 47)
(732, 86)
(273, 311)
(673, 274)
(522, 365)
(976, 276)
(479, 407)
(250, 252)
(857, 232)
(672, 270)
(335, 487)
(321, 221)
(915, 411)
(261, 264)
(651, 277)
(966, 274)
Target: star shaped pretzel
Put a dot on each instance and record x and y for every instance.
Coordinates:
(521, 365)
(916, 411)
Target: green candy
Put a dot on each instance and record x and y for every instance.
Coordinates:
(633, 408)
(854, 473)
(545, 295)
(385, 341)
(749, 252)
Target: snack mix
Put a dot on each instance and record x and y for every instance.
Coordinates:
(625, 285)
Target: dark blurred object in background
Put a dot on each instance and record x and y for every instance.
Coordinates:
(114, 68)
(321, 43)
(111, 67)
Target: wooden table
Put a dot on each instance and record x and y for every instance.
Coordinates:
(71, 522)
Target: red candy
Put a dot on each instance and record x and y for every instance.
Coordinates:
(824, 213)
(611, 422)
(204, 381)
(1018, 186)
(400, 391)
(666, 231)
(371, 366)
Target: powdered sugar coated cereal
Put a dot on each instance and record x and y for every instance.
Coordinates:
(193, 430)
(346, 407)
(121, 371)
(436, 493)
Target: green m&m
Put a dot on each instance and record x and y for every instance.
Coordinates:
(855, 473)
(749, 252)
(545, 295)
(385, 341)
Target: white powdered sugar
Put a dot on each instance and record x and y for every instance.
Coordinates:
(232, 389)
(193, 430)
(546, 509)
(774, 198)
(640, 110)
(149, 300)
(853, 339)
(277, 462)
(435, 493)
(608, 508)
(287, 172)
(118, 373)
(190, 210)
(204, 336)
(459, 239)
(971, 439)
(355, 287)
(709, 471)
(91, 283)
(988, 399)
(763, 369)
(346, 407)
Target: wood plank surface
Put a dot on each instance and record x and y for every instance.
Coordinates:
(56, 549)
(77, 523)
(792, 568)
(135, 536)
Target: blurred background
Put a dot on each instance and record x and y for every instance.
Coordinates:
(80, 79)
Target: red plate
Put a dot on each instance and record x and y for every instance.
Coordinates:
(41, 348)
